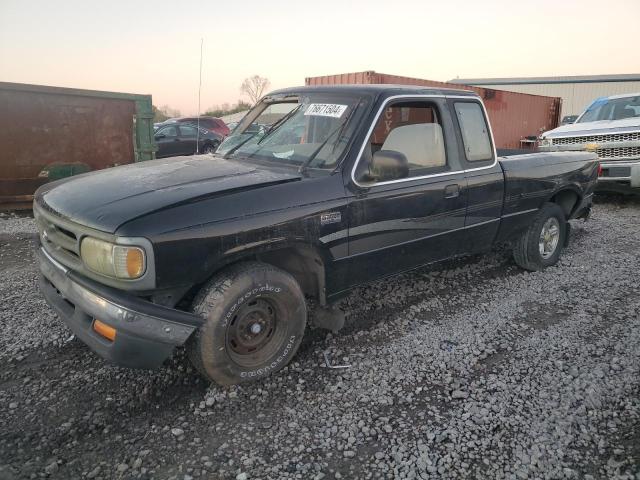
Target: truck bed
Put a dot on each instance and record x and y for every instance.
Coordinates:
(530, 178)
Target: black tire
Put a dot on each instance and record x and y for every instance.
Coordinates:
(255, 317)
(210, 147)
(527, 249)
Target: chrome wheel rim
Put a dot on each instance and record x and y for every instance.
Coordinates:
(549, 238)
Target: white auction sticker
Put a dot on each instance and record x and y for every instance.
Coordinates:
(326, 110)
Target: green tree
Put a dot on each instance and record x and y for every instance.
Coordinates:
(226, 109)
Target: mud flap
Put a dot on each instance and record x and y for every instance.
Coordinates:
(329, 318)
(635, 176)
(568, 235)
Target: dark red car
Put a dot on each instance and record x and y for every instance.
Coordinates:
(212, 124)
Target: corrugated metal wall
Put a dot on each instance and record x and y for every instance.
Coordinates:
(575, 96)
(513, 116)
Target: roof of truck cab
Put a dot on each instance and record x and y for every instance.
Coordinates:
(387, 89)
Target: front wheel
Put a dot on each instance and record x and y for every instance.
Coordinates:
(540, 246)
(255, 317)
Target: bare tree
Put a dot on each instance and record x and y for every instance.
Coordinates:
(254, 87)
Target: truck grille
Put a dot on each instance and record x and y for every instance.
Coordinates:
(59, 238)
(614, 137)
(623, 153)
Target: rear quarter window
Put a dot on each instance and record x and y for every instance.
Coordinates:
(475, 131)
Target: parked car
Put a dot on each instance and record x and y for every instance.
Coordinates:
(253, 128)
(609, 126)
(220, 253)
(212, 124)
(569, 119)
(180, 139)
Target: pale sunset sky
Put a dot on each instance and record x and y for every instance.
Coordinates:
(154, 47)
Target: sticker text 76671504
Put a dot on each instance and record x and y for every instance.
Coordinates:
(325, 110)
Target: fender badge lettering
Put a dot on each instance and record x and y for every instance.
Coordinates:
(330, 217)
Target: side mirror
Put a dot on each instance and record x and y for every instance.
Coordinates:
(159, 136)
(388, 165)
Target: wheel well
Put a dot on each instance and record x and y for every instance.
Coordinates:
(567, 200)
(305, 264)
(302, 262)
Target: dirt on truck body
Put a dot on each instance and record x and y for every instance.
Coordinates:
(352, 184)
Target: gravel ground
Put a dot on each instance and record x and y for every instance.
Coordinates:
(472, 369)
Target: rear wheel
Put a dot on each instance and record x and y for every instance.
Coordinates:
(541, 245)
(255, 317)
(210, 147)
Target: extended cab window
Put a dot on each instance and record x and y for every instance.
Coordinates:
(475, 132)
(412, 129)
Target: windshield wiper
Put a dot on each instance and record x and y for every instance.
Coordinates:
(233, 149)
(273, 127)
(338, 130)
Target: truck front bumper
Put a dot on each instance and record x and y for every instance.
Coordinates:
(619, 176)
(146, 333)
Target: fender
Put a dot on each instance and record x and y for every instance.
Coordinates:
(306, 262)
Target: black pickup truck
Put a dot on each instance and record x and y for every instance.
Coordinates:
(348, 185)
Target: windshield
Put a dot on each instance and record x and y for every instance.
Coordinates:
(311, 130)
(611, 109)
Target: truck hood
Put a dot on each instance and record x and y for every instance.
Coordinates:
(601, 127)
(107, 199)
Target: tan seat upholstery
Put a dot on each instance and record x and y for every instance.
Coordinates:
(421, 143)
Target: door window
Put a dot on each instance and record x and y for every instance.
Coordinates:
(475, 132)
(413, 129)
(171, 131)
(188, 131)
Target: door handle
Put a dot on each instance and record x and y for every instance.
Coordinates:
(452, 191)
(176, 139)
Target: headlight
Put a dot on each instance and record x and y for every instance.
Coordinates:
(117, 261)
(545, 142)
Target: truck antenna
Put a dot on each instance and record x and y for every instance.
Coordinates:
(199, 90)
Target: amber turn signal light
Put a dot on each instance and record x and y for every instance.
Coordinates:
(135, 262)
(105, 330)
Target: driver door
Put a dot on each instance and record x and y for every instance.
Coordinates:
(401, 224)
(168, 141)
(188, 137)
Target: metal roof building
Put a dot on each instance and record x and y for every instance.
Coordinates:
(577, 92)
